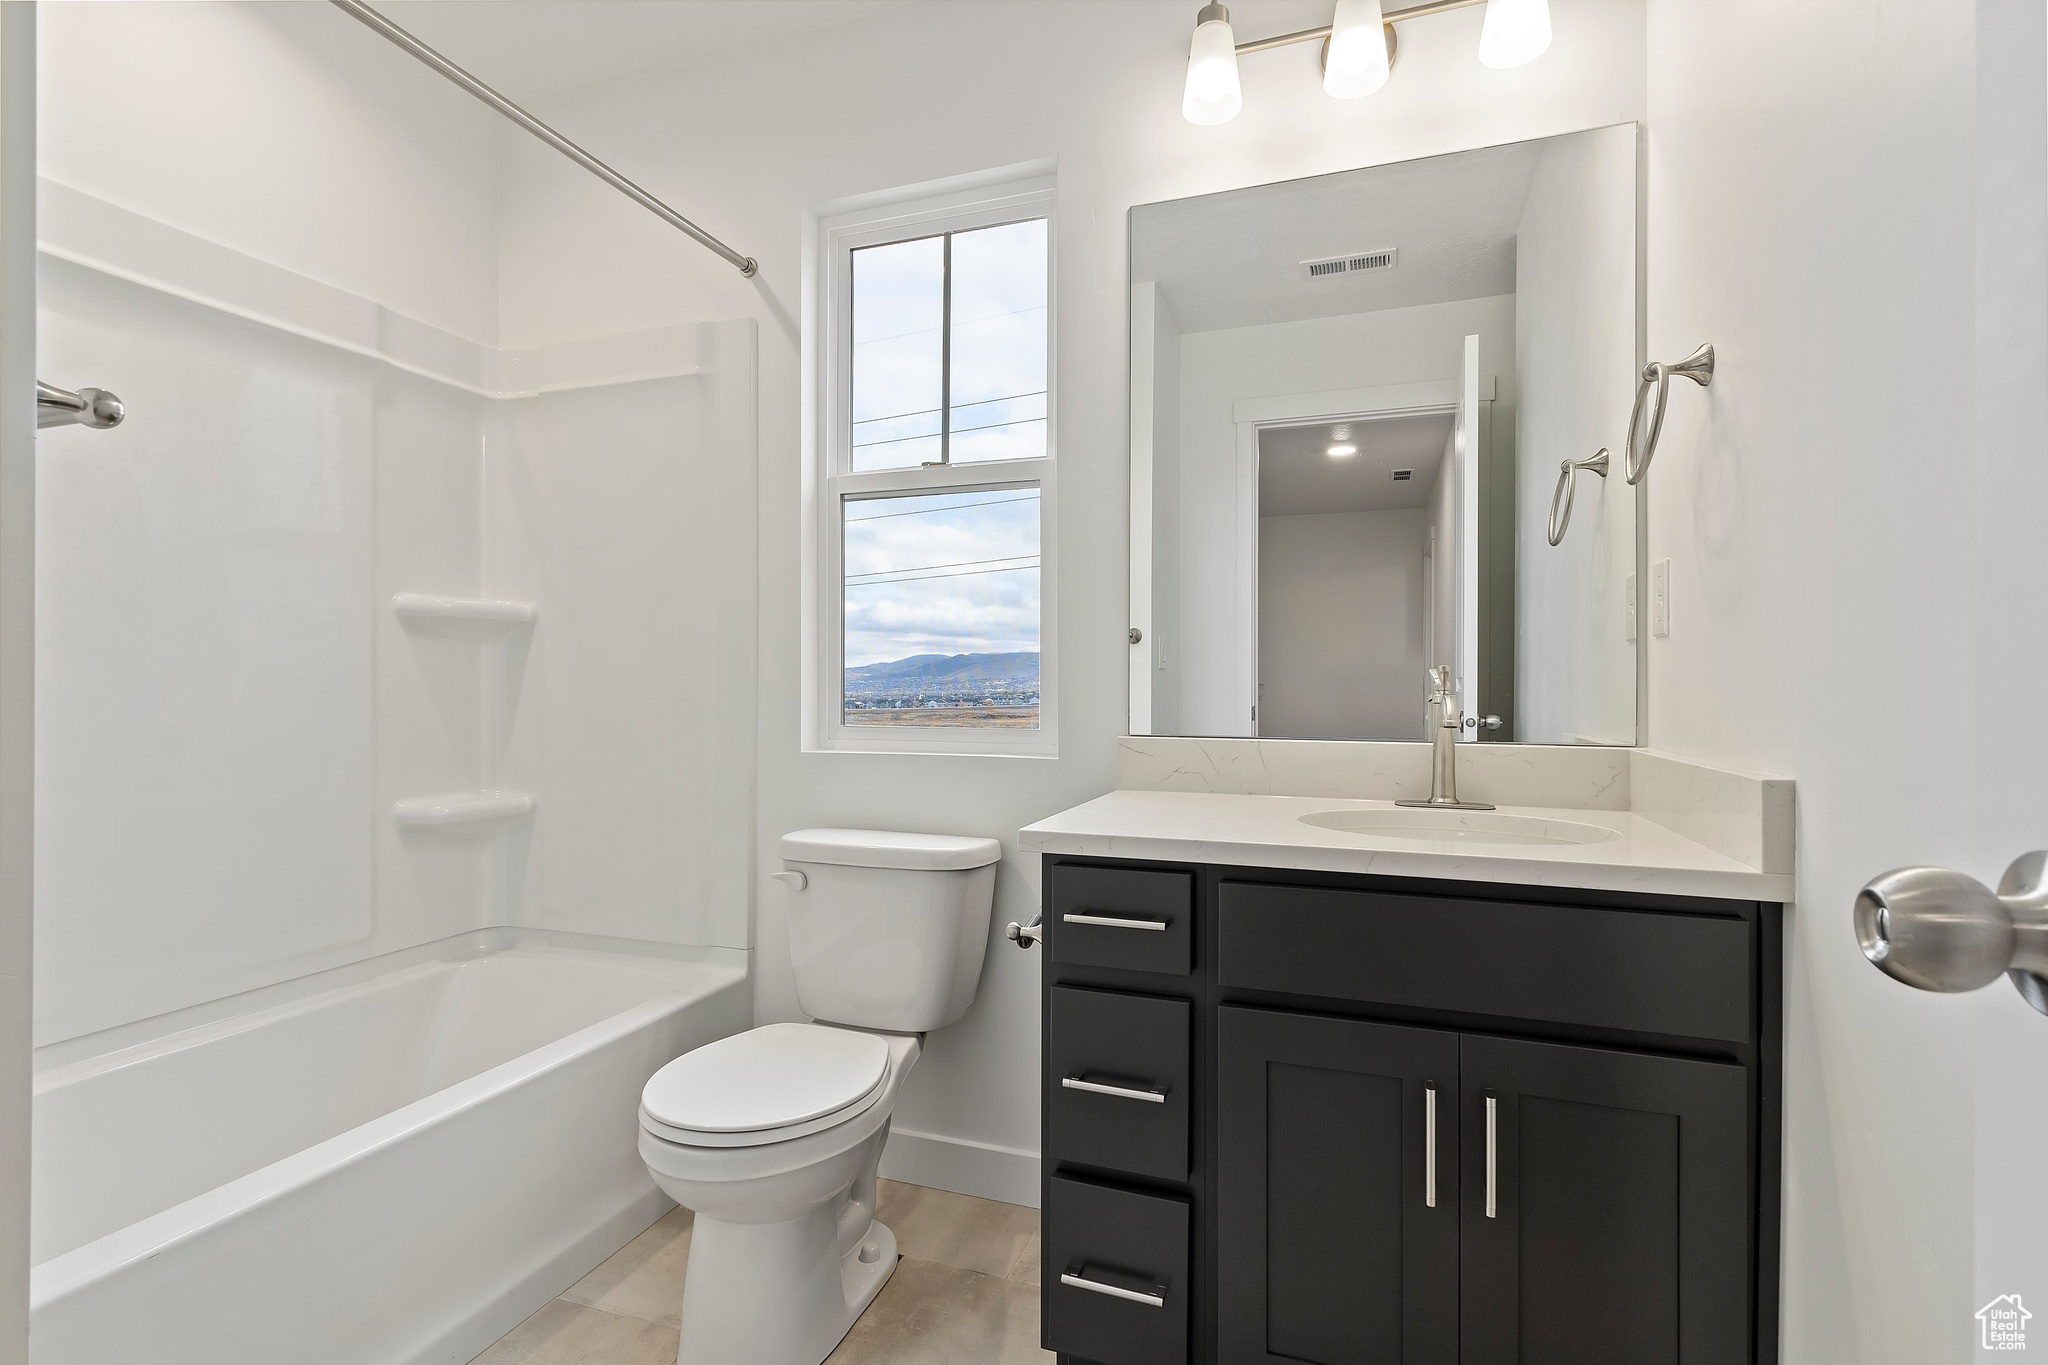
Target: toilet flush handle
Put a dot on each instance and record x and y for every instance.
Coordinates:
(793, 879)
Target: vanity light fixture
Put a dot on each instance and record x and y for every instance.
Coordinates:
(1356, 60)
(1213, 94)
(1514, 33)
(1358, 49)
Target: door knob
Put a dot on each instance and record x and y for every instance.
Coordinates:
(1939, 930)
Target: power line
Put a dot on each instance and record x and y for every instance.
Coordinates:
(928, 511)
(922, 412)
(997, 426)
(970, 573)
(957, 431)
(955, 564)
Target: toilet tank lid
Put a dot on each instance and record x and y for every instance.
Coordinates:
(889, 848)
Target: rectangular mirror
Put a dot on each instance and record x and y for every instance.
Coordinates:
(1351, 396)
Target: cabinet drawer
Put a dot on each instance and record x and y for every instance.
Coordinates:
(1118, 1078)
(1681, 975)
(1122, 917)
(1115, 1274)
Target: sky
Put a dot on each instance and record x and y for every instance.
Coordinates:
(948, 573)
(952, 573)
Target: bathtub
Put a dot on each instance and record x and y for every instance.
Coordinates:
(395, 1161)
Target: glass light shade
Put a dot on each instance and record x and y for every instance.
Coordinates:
(1515, 32)
(1213, 95)
(1356, 63)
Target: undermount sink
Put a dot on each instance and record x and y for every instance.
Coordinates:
(1470, 827)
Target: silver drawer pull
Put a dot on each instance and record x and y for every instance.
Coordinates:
(1153, 1095)
(1112, 922)
(1096, 1286)
(1429, 1146)
(1491, 1109)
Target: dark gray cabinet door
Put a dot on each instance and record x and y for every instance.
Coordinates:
(1607, 1211)
(1332, 1246)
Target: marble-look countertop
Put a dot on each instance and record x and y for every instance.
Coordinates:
(1267, 831)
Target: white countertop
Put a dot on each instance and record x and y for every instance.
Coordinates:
(1266, 831)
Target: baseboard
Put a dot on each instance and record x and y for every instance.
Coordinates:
(962, 1166)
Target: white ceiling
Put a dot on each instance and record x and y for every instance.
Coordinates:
(1233, 259)
(1297, 475)
(535, 49)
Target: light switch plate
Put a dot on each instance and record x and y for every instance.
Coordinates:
(1629, 615)
(1660, 597)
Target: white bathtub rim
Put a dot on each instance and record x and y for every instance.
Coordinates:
(69, 1073)
(467, 946)
(96, 1261)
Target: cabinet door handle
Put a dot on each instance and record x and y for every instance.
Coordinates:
(1150, 1094)
(1429, 1146)
(1098, 1287)
(1112, 922)
(1492, 1106)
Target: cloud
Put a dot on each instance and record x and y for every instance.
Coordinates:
(949, 573)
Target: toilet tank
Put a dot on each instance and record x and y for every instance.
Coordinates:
(889, 929)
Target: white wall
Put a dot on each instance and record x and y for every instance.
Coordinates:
(229, 700)
(1856, 573)
(1575, 357)
(17, 656)
(631, 716)
(207, 582)
(289, 132)
(1340, 624)
(1350, 351)
(228, 706)
(744, 144)
(231, 708)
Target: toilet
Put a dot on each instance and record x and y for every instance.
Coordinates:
(772, 1136)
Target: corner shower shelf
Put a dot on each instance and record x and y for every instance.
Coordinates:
(476, 616)
(465, 811)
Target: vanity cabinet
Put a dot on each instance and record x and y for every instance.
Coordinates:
(1380, 1121)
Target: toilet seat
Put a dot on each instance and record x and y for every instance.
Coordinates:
(769, 1084)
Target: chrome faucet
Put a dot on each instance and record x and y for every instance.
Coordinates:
(1443, 748)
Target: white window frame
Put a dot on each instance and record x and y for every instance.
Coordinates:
(833, 233)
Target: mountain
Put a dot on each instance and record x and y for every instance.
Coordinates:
(941, 676)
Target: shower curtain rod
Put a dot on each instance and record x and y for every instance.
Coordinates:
(397, 35)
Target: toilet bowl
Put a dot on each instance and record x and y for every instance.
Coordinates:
(785, 1253)
(773, 1136)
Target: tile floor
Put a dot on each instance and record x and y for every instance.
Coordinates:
(965, 1293)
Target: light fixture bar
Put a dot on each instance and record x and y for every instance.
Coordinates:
(398, 36)
(1314, 35)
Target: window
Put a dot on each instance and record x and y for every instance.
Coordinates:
(933, 475)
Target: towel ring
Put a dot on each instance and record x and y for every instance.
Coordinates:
(1698, 367)
(1567, 489)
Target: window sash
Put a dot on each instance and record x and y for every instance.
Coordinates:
(843, 242)
(948, 280)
